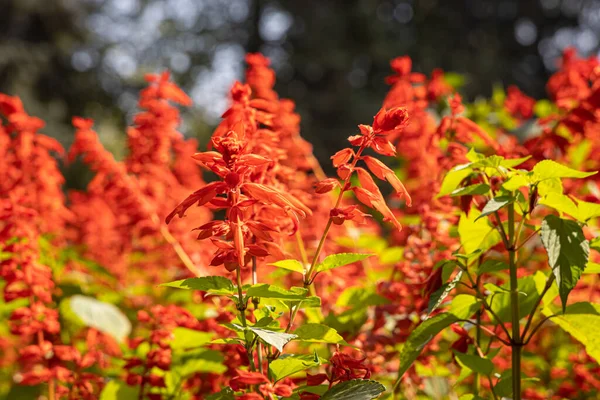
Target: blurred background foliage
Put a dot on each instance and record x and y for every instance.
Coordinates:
(88, 57)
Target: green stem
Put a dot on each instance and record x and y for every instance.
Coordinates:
(516, 342)
(476, 383)
(241, 306)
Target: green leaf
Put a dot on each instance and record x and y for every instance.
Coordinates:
(479, 188)
(513, 162)
(475, 363)
(581, 320)
(587, 210)
(419, 338)
(515, 182)
(103, 316)
(553, 185)
(582, 211)
(592, 268)
(476, 234)
(463, 306)
(310, 302)
(439, 295)
(503, 388)
(595, 243)
(500, 300)
(225, 394)
(494, 205)
(489, 266)
(470, 397)
(198, 360)
(275, 339)
(568, 252)
(560, 203)
(289, 364)
(116, 390)
(339, 260)
(356, 389)
(548, 169)
(291, 265)
(186, 338)
(211, 284)
(317, 333)
(452, 179)
(267, 291)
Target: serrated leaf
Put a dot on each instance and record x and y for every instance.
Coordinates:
(548, 169)
(184, 338)
(318, 333)
(475, 363)
(102, 316)
(356, 389)
(568, 252)
(479, 188)
(289, 364)
(339, 260)
(291, 265)
(211, 284)
(267, 291)
(494, 205)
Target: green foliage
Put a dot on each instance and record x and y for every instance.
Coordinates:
(117, 390)
(318, 333)
(210, 284)
(290, 364)
(356, 389)
(225, 394)
(266, 291)
(475, 363)
(440, 295)
(477, 189)
(184, 338)
(476, 234)
(339, 260)
(290, 265)
(548, 169)
(462, 307)
(581, 321)
(494, 205)
(568, 252)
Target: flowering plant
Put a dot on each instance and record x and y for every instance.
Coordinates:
(245, 272)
